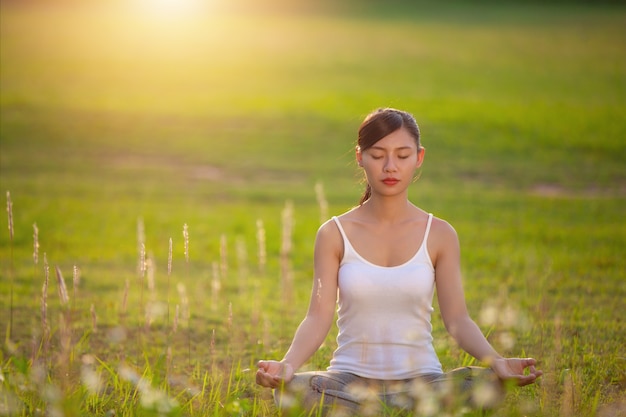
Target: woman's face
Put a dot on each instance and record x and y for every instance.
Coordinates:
(391, 162)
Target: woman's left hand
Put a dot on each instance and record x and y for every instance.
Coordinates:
(515, 369)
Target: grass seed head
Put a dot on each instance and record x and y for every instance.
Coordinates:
(141, 239)
(142, 260)
(216, 282)
(75, 280)
(186, 240)
(35, 244)
(63, 296)
(169, 259)
(10, 214)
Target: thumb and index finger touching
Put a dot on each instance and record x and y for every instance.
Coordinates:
(272, 374)
(529, 372)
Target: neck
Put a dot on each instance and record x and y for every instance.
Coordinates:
(388, 209)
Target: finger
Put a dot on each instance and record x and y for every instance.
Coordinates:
(259, 378)
(526, 380)
(529, 362)
(272, 381)
(523, 381)
(267, 381)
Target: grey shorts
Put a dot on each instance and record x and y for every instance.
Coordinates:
(345, 394)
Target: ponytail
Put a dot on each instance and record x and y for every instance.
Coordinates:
(366, 195)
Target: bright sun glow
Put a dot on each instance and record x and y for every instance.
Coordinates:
(172, 7)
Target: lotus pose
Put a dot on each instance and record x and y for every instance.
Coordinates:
(381, 264)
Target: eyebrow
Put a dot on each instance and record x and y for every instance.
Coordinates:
(380, 148)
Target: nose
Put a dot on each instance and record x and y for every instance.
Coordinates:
(390, 165)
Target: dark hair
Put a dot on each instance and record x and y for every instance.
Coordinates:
(380, 123)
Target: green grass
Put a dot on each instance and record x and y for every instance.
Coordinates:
(217, 120)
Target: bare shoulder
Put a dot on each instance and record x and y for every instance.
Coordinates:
(442, 230)
(328, 229)
(443, 240)
(329, 238)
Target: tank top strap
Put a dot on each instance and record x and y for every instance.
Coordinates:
(426, 233)
(347, 246)
(343, 234)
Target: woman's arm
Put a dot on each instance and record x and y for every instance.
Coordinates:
(319, 318)
(454, 310)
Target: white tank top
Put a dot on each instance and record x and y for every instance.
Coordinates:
(384, 316)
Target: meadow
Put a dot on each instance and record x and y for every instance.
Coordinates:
(166, 170)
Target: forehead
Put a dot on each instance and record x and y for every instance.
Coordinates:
(400, 138)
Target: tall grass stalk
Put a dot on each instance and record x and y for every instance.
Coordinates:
(65, 320)
(141, 240)
(141, 277)
(184, 299)
(212, 352)
(216, 286)
(169, 276)
(9, 332)
(124, 304)
(35, 248)
(150, 271)
(65, 356)
(286, 247)
(35, 255)
(321, 201)
(75, 283)
(261, 246)
(242, 263)
(176, 316)
(151, 310)
(94, 318)
(141, 272)
(223, 257)
(63, 295)
(45, 326)
(186, 242)
(186, 316)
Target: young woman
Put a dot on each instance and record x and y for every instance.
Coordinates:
(381, 262)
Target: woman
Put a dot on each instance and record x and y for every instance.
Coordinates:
(381, 262)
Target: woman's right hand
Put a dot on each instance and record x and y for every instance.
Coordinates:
(273, 374)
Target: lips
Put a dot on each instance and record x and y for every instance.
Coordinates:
(391, 181)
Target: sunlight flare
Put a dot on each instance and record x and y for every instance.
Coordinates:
(172, 8)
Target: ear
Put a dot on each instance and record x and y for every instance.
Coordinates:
(420, 157)
(359, 156)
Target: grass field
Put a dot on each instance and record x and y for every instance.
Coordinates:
(121, 126)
